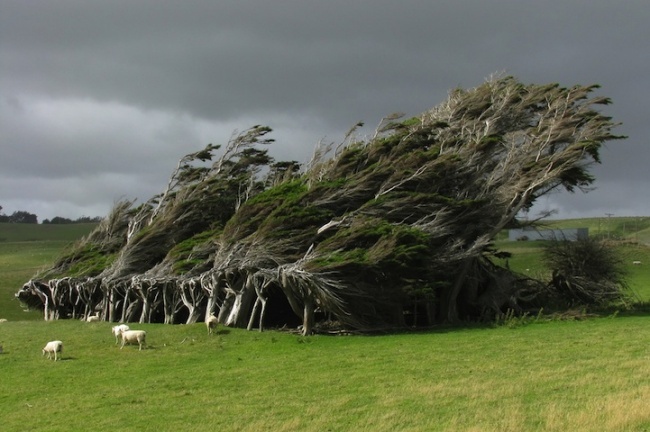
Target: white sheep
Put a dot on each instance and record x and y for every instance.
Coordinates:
(636, 262)
(132, 336)
(53, 347)
(117, 331)
(93, 318)
(3, 320)
(211, 323)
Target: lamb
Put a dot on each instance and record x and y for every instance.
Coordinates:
(132, 336)
(117, 331)
(93, 318)
(211, 323)
(53, 347)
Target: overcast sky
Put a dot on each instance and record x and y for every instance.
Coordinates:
(100, 99)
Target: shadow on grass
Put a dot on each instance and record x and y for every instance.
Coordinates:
(61, 359)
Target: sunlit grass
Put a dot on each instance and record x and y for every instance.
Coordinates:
(578, 375)
(25, 249)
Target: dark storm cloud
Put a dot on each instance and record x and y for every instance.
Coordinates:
(122, 89)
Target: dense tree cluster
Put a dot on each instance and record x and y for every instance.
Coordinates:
(393, 230)
(58, 220)
(22, 216)
(18, 217)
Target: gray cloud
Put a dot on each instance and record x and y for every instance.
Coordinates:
(98, 100)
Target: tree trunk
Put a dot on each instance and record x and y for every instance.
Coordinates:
(145, 311)
(211, 284)
(111, 306)
(226, 307)
(170, 300)
(194, 314)
(450, 303)
(253, 314)
(192, 294)
(131, 311)
(46, 309)
(262, 315)
(126, 305)
(308, 316)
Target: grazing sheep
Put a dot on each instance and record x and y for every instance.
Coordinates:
(211, 323)
(3, 319)
(636, 262)
(132, 336)
(93, 318)
(53, 347)
(117, 331)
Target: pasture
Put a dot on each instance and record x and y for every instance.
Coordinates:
(24, 250)
(583, 375)
(533, 374)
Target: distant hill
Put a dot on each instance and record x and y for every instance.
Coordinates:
(17, 232)
(634, 228)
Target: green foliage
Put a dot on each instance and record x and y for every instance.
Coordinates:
(289, 191)
(193, 252)
(350, 161)
(253, 213)
(414, 209)
(87, 261)
(336, 258)
(377, 249)
(292, 219)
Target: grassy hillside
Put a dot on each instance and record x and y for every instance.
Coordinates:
(24, 249)
(551, 376)
(66, 233)
(615, 228)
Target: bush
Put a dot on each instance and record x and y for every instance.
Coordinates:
(585, 272)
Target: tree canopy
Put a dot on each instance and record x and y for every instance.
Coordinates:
(392, 230)
(18, 216)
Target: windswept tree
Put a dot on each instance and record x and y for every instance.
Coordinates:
(393, 230)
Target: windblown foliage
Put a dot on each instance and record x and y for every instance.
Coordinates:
(585, 272)
(388, 231)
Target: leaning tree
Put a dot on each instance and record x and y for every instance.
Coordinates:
(395, 229)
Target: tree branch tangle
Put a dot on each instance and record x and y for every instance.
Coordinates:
(391, 231)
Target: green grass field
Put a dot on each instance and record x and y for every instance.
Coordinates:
(24, 250)
(533, 374)
(545, 376)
